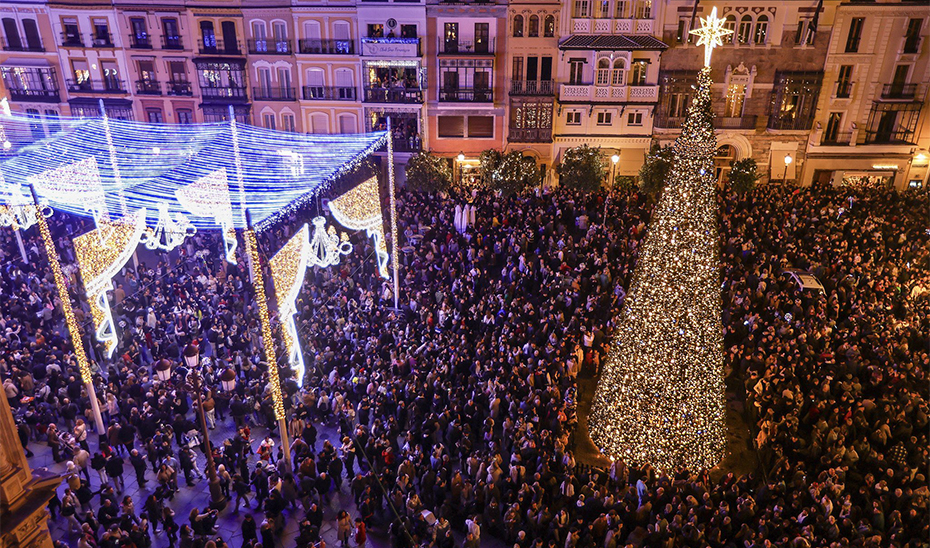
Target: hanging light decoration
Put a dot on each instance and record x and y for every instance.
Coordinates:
(209, 197)
(288, 267)
(360, 209)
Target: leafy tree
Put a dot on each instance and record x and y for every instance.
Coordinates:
(625, 182)
(428, 173)
(654, 171)
(582, 168)
(743, 175)
(510, 172)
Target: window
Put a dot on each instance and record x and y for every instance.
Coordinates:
(51, 121)
(682, 35)
(531, 121)
(618, 73)
(573, 118)
(794, 100)
(844, 82)
(582, 8)
(603, 72)
(140, 35)
(260, 41)
(288, 123)
(762, 28)
(80, 71)
(481, 126)
(576, 71)
(730, 24)
(911, 37)
(634, 118)
(620, 10)
(675, 97)
(72, 33)
(603, 9)
(549, 26)
(638, 74)
(31, 32)
(279, 31)
(603, 118)
(805, 32)
(533, 30)
(375, 31)
(209, 36)
(451, 37)
(268, 121)
(517, 73)
(101, 31)
(745, 30)
(11, 31)
(408, 31)
(451, 126)
(185, 116)
(38, 132)
(855, 34)
(736, 96)
(319, 123)
(154, 116)
(483, 37)
(30, 82)
(832, 131)
(644, 9)
(518, 26)
(172, 37)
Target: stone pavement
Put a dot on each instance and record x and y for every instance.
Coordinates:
(228, 522)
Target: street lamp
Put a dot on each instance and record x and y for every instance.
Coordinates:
(194, 384)
(228, 379)
(163, 370)
(788, 161)
(461, 157)
(613, 169)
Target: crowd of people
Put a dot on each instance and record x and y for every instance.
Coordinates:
(456, 415)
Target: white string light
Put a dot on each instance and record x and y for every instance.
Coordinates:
(209, 197)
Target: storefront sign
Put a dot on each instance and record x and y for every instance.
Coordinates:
(390, 47)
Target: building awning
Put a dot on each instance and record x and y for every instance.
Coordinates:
(613, 42)
(25, 62)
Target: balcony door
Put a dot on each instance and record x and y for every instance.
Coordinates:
(482, 38)
(450, 85)
(230, 40)
(209, 36)
(258, 35)
(833, 127)
(139, 32)
(886, 125)
(451, 38)
(900, 80)
(11, 31)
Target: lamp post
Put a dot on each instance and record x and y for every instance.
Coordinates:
(788, 160)
(194, 383)
(461, 158)
(610, 184)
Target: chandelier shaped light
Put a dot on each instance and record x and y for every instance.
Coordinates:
(179, 174)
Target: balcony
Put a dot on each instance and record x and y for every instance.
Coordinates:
(791, 123)
(840, 138)
(466, 95)
(588, 25)
(393, 95)
(22, 46)
(102, 40)
(843, 89)
(735, 122)
(171, 42)
(326, 47)
(217, 47)
(907, 92)
(71, 40)
(608, 94)
(460, 47)
(148, 87)
(897, 136)
(912, 44)
(179, 88)
(411, 144)
(668, 122)
(107, 85)
(140, 41)
(35, 95)
(274, 93)
(533, 135)
(532, 87)
(271, 47)
(225, 94)
(328, 93)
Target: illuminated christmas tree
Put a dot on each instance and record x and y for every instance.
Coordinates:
(660, 399)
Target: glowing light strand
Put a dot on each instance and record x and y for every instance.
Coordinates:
(77, 183)
(660, 398)
(288, 267)
(711, 34)
(360, 209)
(209, 197)
(326, 246)
(393, 201)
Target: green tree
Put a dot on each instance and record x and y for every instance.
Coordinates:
(743, 175)
(654, 171)
(582, 168)
(427, 172)
(625, 183)
(510, 172)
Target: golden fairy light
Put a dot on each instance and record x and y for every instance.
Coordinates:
(251, 246)
(101, 253)
(660, 399)
(360, 209)
(711, 34)
(288, 267)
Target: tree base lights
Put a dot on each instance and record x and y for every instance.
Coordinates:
(660, 399)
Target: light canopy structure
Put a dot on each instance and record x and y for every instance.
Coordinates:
(288, 267)
(360, 209)
(660, 399)
(140, 165)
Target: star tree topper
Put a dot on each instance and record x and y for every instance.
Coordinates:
(710, 34)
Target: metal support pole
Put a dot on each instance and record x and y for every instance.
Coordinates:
(73, 329)
(217, 499)
(251, 245)
(394, 250)
(22, 248)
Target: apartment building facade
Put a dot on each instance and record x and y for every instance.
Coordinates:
(459, 77)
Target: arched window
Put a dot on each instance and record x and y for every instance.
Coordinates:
(730, 24)
(319, 123)
(533, 30)
(618, 75)
(745, 29)
(762, 28)
(347, 123)
(603, 71)
(518, 26)
(549, 26)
